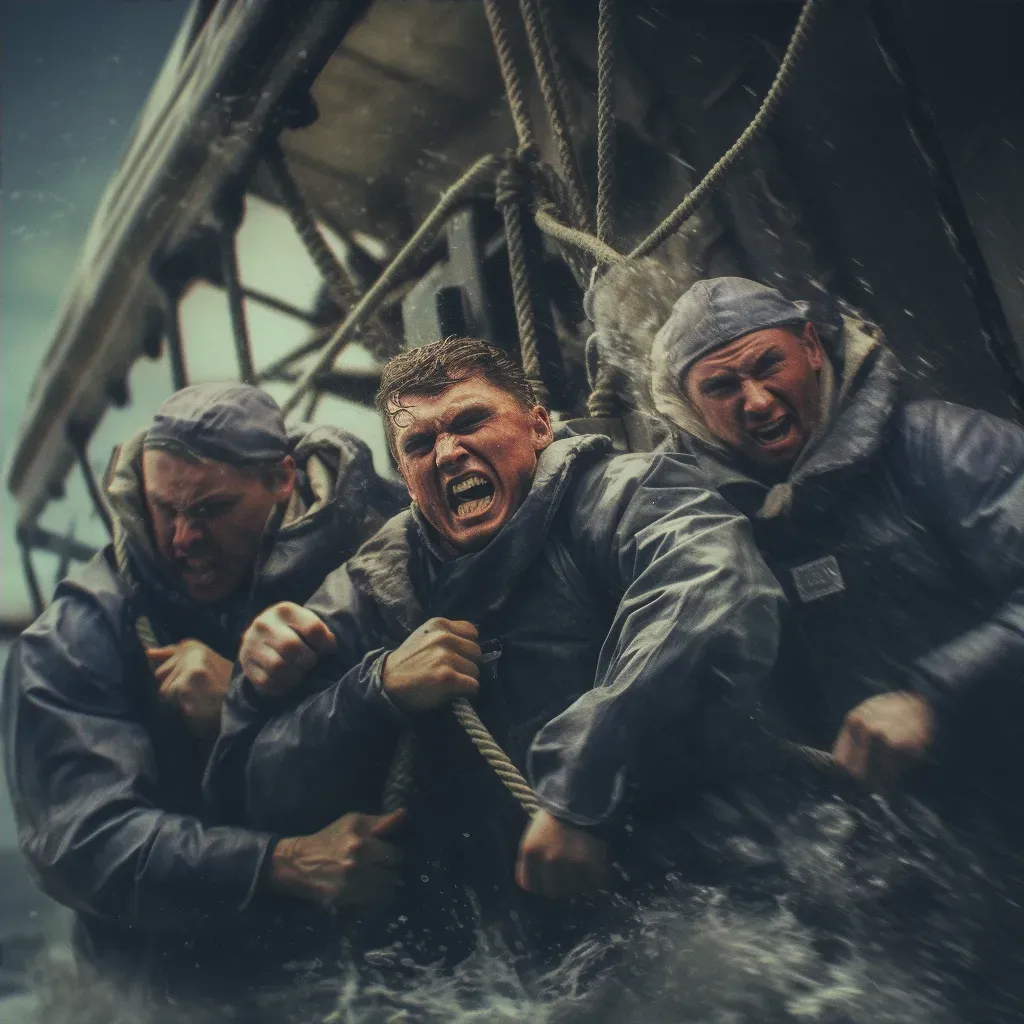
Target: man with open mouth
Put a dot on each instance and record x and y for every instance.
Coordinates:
(112, 699)
(608, 616)
(895, 527)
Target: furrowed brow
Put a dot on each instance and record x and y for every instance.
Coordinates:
(769, 358)
(417, 439)
(717, 381)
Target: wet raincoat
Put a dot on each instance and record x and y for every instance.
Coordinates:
(899, 540)
(629, 624)
(105, 781)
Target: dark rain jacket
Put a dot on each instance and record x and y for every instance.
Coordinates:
(106, 781)
(627, 624)
(899, 541)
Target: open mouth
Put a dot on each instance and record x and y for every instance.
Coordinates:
(200, 571)
(770, 434)
(470, 495)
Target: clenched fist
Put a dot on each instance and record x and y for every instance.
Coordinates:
(282, 646)
(195, 680)
(882, 736)
(557, 859)
(436, 663)
(348, 863)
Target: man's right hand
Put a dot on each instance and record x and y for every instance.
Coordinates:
(348, 863)
(281, 647)
(437, 663)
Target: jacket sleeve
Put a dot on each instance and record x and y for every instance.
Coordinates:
(966, 469)
(294, 766)
(693, 638)
(82, 775)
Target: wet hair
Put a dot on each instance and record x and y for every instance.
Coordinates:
(268, 470)
(434, 368)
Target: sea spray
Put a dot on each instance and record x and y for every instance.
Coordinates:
(882, 916)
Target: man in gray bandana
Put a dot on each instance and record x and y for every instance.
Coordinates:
(896, 527)
(112, 698)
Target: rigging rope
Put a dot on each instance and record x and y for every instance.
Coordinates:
(760, 122)
(483, 170)
(340, 285)
(605, 120)
(333, 272)
(602, 401)
(514, 94)
(510, 196)
(541, 45)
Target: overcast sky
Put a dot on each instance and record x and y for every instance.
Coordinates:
(74, 75)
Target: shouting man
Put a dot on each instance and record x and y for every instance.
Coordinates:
(895, 527)
(218, 514)
(608, 616)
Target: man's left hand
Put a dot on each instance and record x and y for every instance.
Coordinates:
(883, 736)
(560, 860)
(195, 680)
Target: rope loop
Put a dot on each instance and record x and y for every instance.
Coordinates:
(514, 183)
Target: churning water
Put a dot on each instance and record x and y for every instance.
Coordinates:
(879, 917)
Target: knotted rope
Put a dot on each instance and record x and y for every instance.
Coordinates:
(543, 50)
(512, 190)
(340, 285)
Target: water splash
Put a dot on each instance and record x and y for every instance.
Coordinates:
(880, 917)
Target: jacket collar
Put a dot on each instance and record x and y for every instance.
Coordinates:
(410, 577)
(329, 462)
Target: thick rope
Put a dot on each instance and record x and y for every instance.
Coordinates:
(767, 110)
(605, 121)
(483, 170)
(295, 205)
(574, 238)
(514, 93)
(495, 756)
(541, 45)
(510, 197)
(340, 284)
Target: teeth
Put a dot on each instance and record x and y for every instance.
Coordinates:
(471, 481)
(770, 428)
(470, 508)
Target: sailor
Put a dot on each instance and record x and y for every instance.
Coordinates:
(896, 527)
(112, 697)
(608, 616)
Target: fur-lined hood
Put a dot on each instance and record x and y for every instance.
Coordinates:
(338, 502)
(865, 397)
